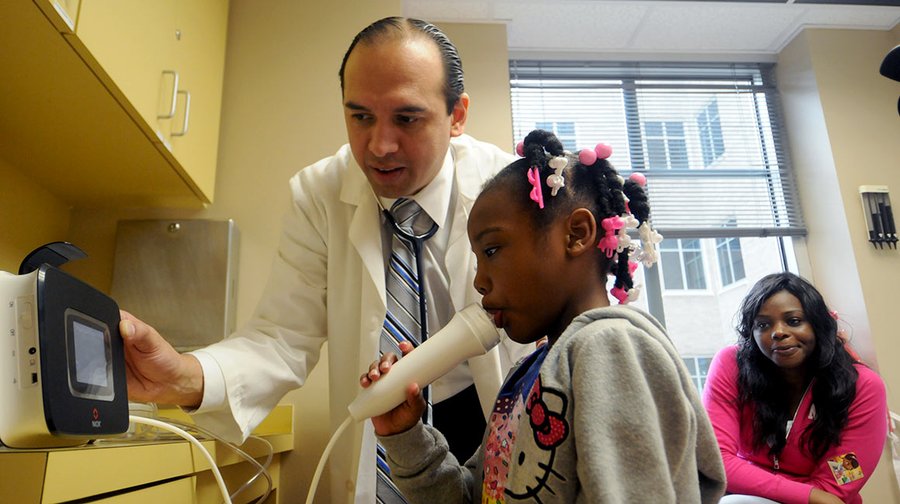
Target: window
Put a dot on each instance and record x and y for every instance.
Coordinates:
(731, 262)
(682, 264)
(698, 367)
(666, 147)
(712, 144)
(565, 131)
(708, 137)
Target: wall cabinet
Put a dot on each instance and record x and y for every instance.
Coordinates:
(84, 85)
(176, 83)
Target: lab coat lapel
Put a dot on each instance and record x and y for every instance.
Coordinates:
(459, 253)
(365, 229)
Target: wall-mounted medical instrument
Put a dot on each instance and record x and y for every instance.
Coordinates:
(62, 361)
(879, 216)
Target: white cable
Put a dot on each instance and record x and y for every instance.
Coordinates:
(194, 441)
(321, 466)
(261, 469)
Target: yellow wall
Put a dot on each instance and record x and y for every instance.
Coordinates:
(29, 217)
(844, 131)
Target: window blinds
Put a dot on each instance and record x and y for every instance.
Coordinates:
(707, 136)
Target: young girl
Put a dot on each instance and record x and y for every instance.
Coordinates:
(605, 411)
(798, 418)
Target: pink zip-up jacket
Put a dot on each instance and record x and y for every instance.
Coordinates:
(790, 477)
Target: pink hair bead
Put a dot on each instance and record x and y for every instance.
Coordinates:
(603, 150)
(640, 178)
(587, 157)
(520, 149)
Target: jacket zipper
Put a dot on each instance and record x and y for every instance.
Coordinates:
(775, 465)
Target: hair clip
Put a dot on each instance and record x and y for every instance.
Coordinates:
(604, 151)
(630, 222)
(590, 156)
(634, 293)
(610, 241)
(620, 294)
(520, 149)
(555, 181)
(648, 254)
(587, 157)
(534, 178)
(639, 178)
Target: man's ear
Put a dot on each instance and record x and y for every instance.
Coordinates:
(582, 232)
(458, 115)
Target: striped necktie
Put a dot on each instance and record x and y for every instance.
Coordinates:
(406, 307)
(405, 319)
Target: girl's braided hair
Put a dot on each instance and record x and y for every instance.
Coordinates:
(596, 186)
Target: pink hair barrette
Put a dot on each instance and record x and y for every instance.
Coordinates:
(610, 241)
(534, 178)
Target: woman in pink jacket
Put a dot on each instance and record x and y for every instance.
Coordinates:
(797, 418)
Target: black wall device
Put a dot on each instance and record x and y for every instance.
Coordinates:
(62, 360)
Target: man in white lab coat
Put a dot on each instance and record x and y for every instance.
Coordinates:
(405, 112)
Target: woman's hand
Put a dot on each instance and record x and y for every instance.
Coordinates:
(407, 414)
(819, 496)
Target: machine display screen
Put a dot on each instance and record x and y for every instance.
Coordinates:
(89, 355)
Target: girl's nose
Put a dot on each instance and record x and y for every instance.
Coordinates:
(480, 283)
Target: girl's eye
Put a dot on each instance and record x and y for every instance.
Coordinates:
(795, 321)
(488, 252)
(759, 326)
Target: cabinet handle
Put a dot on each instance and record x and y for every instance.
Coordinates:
(187, 114)
(171, 113)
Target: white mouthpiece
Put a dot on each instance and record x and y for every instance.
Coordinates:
(470, 332)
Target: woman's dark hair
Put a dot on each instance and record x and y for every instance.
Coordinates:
(761, 385)
(454, 86)
(597, 187)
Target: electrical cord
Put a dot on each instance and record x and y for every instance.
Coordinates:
(261, 469)
(318, 474)
(186, 435)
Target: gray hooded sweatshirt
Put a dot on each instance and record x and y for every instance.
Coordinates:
(613, 417)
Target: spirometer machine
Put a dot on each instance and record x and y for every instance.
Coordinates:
(62, 362)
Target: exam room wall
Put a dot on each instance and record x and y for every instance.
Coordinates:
(282, 110)
(844, 131)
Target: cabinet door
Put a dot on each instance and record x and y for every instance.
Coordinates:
(200, 57)
(134, 42)
(62, 13)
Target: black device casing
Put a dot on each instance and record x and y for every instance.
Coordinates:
(66, 414)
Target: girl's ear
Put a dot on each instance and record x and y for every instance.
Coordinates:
(581, 232)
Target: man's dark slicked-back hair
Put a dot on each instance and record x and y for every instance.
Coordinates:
(377, 31)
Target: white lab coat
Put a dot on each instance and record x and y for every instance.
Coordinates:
(327, 283)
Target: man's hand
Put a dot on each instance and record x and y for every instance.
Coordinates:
(156, 372)
(407, 414)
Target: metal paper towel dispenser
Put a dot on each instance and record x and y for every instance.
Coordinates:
(178, 276)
